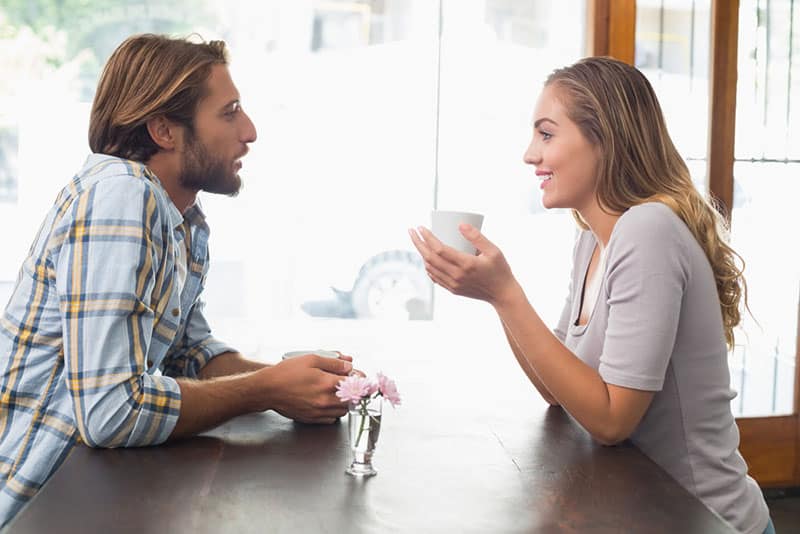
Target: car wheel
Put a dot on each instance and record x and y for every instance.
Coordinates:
(392, 284)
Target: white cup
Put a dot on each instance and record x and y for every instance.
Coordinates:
(444, 225)
(324, 353)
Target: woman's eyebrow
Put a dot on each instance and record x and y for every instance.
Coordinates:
(544, 119)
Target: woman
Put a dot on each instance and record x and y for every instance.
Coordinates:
(640, 350)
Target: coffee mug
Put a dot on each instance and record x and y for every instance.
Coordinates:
(444, 225)
(323, 353)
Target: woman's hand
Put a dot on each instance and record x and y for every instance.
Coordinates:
(486, 276)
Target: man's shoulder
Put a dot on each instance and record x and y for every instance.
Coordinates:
(108, 187)
(113, 180)
(112, 172)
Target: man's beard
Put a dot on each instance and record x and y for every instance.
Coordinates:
(202, 171)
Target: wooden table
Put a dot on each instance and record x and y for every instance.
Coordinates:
(466, 452)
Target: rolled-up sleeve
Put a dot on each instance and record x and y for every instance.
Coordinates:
(196, 348)
(107, 264)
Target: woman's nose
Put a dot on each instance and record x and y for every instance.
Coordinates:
(532, 155)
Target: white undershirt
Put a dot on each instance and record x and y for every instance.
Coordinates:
(181, 264)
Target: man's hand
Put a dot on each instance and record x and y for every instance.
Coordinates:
(304, 388)
(301, 388)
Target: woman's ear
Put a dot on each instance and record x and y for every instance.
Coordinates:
(163, 132)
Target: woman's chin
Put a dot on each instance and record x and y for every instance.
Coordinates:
(549, 203)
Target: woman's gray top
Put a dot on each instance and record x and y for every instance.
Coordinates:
(657, 326)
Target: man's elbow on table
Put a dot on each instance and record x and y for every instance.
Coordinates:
(117, 418)
(98, 429)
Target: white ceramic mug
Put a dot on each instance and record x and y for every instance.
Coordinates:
(324, 353)
(444, 225)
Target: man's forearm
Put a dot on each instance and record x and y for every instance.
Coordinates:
(209, 403)
(228, 364)
(303, 389)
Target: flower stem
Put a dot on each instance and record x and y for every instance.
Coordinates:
(364, 414)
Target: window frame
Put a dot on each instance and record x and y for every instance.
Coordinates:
(771, 445)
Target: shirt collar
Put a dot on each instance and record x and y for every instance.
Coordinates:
(194, 214)
(175, 216)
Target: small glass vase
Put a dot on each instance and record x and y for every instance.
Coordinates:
(364, 424)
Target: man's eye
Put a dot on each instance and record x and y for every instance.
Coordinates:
(233, 110)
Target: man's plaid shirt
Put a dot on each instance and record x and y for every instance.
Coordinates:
(98, 325)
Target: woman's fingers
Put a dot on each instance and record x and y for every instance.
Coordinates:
(443, 251)
(440, 277)
(474, 236)
(446, 260)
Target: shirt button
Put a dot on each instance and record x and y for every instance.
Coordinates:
(175, 312)
(149, 363)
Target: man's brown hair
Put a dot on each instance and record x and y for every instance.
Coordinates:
(149, 76)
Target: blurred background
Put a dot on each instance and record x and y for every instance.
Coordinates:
(371, 113)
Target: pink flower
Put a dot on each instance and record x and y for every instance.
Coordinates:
(373, 388)
(353, 388)
(388, 389)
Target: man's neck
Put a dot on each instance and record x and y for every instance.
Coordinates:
(166, 169)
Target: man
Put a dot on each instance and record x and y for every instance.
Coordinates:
(104, 341)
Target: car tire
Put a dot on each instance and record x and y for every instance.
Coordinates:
(392, 284)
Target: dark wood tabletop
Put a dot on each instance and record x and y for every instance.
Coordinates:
(464, 453)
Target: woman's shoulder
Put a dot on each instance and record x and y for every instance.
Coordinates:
(652, 229)
(649, 217)
(652, 222)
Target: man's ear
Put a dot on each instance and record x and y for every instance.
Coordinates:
(163, 132)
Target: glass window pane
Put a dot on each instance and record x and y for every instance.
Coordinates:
(672, 50)
(495, 57)
(766, 186)
(343, 165)
(764, 359)
(346, 99)
(55, 51)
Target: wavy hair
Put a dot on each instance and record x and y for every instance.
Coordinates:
(148, 76)
(616, 109)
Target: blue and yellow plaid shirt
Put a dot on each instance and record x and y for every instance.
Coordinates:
(98, 325)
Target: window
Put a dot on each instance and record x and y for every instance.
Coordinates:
(672, 49)
(369, 114)
(766, 186)
(9, 147)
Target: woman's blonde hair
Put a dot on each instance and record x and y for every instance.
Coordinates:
(617, 111)
(148, 76)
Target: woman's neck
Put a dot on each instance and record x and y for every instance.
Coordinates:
(600, 222)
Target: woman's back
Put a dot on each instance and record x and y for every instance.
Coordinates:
(657, 326)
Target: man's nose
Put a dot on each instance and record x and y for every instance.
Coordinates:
(249, 132)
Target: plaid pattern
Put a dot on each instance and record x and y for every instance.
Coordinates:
(97, 327)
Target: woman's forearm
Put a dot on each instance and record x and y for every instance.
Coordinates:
(572, 384)
(528, 369)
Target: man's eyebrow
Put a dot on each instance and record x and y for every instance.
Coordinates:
(544, 119)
